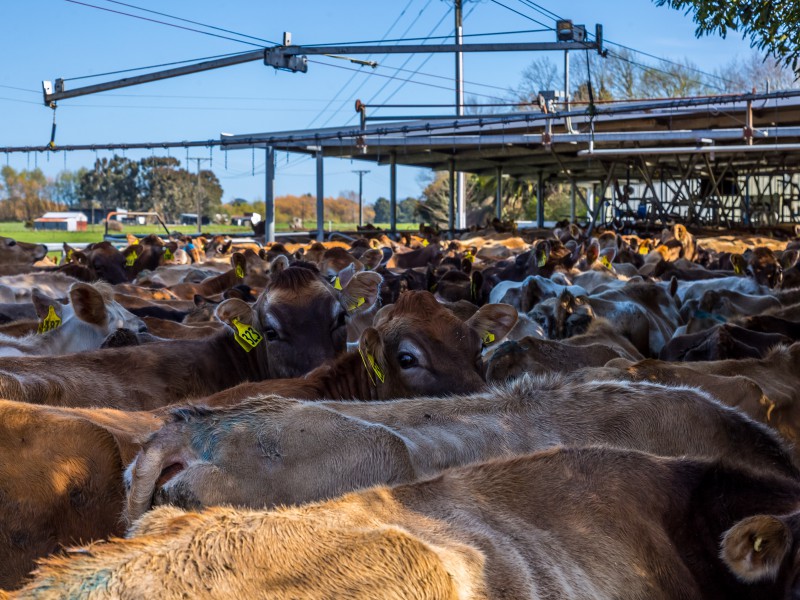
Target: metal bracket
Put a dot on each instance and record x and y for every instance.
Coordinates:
(286, 62)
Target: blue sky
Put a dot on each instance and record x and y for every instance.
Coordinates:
(46, 39)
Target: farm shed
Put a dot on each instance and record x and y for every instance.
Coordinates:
(61, 221)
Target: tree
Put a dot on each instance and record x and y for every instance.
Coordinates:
(382, 208)
(771, 26)
(26, 195)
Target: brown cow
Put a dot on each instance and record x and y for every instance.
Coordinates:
(298, 323)
(270, 451)
(415, 347)
(584, 523)
(13, 252)
(61, 478)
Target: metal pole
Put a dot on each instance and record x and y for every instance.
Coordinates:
(572, 200)
(198, 198)
(361, 174)
(566, 80)
(462, 181)
(498, 201)
(320, 199)
(269, 194)
(540, 202)
(452, 204)
(393, 193)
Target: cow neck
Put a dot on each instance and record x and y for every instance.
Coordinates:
(219, 283)
(345, 379)
(233, 364)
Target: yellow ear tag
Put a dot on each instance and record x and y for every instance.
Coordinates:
(239, 272)
(488, 338)
(425, 243)
(337, 284)
(50, 322)
(134, 242)
(605, 262)
(643, 249)
(130, 259)
(168, 254)
(470, 257)
(69, 254)
(542, 260)
(372, 365)
(737, 269)
(356, 304)
(247, 337)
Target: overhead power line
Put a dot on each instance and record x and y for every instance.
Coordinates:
(155, 12)
(523, 15)
(434, 37)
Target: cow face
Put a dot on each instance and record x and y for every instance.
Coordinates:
(563, 317)
(302, 317)
(764, 267)
(14, 252)
(104, 262)
(420, 347)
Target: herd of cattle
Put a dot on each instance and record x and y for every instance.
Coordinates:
(573, 416)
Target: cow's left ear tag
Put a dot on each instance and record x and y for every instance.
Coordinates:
(239, 272)
(337, 283)
(50, 322)
(247, 337)
(488, 338)
(605, 262)
(168, 254)
(130, 259)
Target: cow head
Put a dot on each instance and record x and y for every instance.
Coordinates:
(417, 346)
(301, 316)
(764, 267)
(103, 261)
(563, 317)
(14, 252)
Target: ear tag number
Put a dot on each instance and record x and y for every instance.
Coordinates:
(356, 304)
(247, 337)
(605, 262)
(239, 272)
(168, 254)
(337, 284)
(488, 338)
(50, 322)
(373, 366)
(131, 258)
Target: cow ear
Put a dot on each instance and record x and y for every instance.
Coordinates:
(42, 304)
(239, 265)
(475, 286)
(88, 304)
(370, 347)
(789, 258)
(541, 253)
(739, 264)
(593, 251)
(278, 264)
(344, 276)
(233, 308)
(371, 258)
(492, 322)
(360, 293)
(607, 256)
(755, 547)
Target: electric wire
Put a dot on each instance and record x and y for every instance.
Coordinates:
(434, 37)
(119, 12)
(155, 12)
(523, 15)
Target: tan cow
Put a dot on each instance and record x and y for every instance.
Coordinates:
(298, 323)
(272, 451)
(14, 252)
(61, 478)
(83, 324)
(416, 347)
(591, 523)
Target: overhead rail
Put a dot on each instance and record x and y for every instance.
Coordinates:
(294, 58)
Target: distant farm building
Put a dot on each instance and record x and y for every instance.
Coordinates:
(61, 221)
(191, 219)
(246, 219)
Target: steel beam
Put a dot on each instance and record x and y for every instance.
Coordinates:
(320, 198)
(269, 196)
(393, 194)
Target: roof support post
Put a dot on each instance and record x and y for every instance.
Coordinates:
(498, 201)
(540, 202)
(393, 193)
(269, 195)
(452, 203)
(320, 199)
(572, 199)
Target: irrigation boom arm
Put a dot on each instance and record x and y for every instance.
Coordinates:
(294, 58)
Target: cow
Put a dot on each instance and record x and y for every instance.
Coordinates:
(414, 347)
(13, 252)
(269, 451)
(600, 344)
(722, 341)
(61, 473)
(298, 323)
(83, 324)
(585, 523)
(524, 295)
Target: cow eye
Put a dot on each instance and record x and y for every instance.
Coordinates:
(407, 360)
(271, 335)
